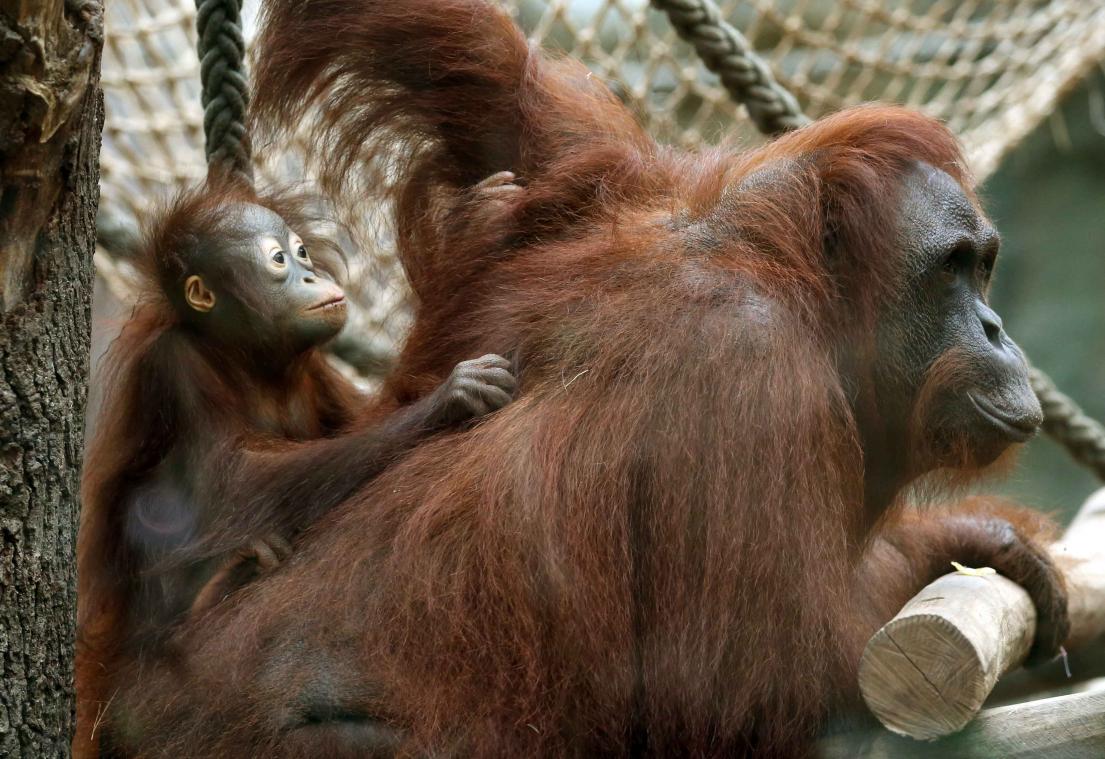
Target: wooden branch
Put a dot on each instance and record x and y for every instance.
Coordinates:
(926, 673)
(1065, 727)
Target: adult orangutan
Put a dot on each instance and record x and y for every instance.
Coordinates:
(226, 432)
(732, 368)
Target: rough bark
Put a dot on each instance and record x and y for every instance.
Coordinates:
(51, 116)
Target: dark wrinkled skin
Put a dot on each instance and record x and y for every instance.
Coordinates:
(949, 253)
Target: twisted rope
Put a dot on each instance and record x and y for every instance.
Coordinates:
(749, 80)
(225, 96)
(1083, 437)
(727, 53)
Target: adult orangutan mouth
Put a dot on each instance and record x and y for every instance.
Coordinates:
(337, 300)
(1017, 429)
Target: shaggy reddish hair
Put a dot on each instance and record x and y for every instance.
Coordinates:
(159, 386)
(660, 547)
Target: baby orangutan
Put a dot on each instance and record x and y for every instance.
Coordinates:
(298, 309)
(225, 432)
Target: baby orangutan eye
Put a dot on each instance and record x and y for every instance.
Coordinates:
(278, 259)
(302, 253)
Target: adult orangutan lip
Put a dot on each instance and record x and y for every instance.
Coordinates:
(1017, 429)
(327, 303)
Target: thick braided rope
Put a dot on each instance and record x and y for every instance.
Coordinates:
(749, 80)
(1083, 437)
(727, 53)
(225, 96)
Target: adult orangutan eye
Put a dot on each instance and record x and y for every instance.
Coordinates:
(957, 260)
(986, 268)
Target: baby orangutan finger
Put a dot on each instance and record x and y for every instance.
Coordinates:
(265, 554)
(280, 546)
(471, 401)
(500, 378)
(484, 395)
(217, 587)
(487, 361)
(495, 397)
(500, 180)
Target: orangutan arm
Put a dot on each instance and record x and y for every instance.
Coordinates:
(913, 548)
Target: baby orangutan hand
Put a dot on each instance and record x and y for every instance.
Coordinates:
(475, 388)
(260, 556)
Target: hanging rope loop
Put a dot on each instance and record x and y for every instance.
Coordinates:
(225, 89)
(1083, 437)
(729, 54)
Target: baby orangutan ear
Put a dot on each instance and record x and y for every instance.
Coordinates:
(197, 295)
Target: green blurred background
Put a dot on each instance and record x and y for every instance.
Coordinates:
(1048, 201)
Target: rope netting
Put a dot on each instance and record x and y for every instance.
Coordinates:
(991, 69)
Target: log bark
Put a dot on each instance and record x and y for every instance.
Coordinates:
(51, 117)
(927, 672)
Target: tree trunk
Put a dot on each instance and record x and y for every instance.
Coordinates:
(51, 116)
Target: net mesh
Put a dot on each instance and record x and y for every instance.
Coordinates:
(992, 69)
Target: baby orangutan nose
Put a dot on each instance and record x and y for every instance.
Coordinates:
(330, 308)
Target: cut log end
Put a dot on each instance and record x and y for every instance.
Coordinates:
(943, 673)
(927, 672)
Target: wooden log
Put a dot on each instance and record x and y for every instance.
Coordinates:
(1081, 555)
(1064, 727)
(927, 672)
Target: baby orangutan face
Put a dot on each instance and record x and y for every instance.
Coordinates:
(260, 280)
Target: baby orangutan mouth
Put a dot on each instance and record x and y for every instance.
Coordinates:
(334, 302)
